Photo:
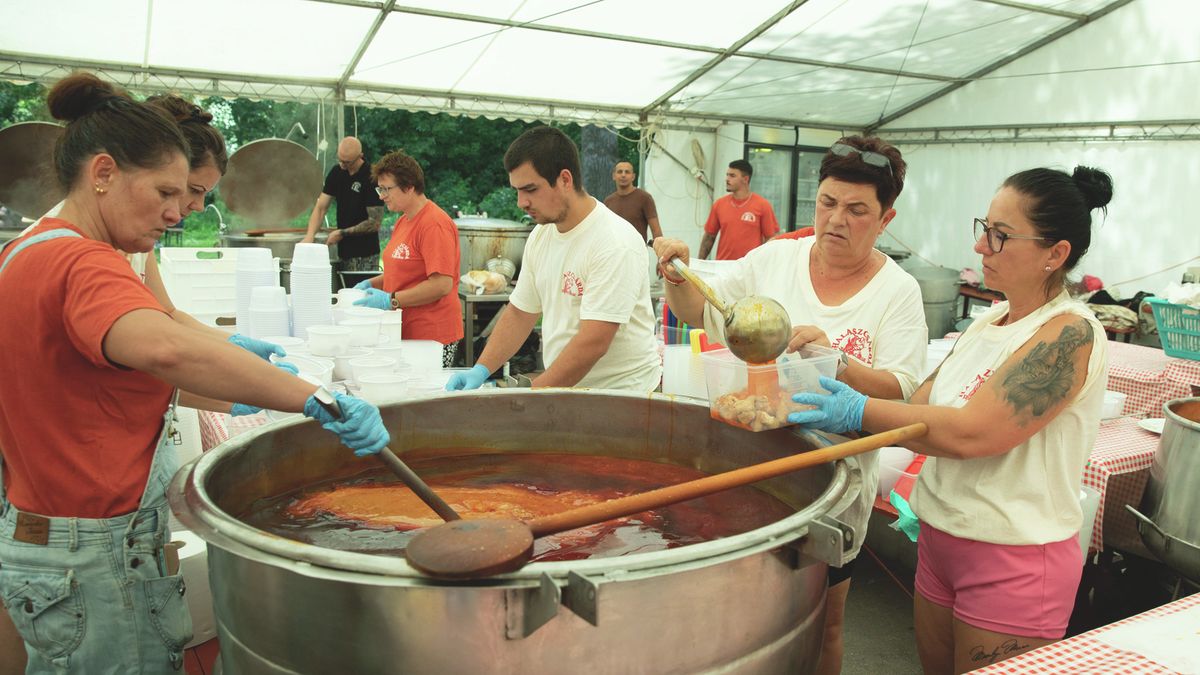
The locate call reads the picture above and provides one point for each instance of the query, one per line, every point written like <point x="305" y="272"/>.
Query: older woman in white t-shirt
<point x="841" y="292"/>
<point x="1012" y="414"/>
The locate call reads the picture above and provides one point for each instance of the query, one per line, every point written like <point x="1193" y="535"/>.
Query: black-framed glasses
<point x="382" y="191"/>
<point x="996" y="238"/>
<point x="868" y="157"/>
<point x="348" y="162"/>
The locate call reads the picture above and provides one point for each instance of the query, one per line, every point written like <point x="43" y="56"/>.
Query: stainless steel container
<point x="751" y="603"/>
<point x="1169" y="515"/>
<point x="481" y="239"/>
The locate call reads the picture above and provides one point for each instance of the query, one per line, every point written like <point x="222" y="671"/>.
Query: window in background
<point x="773" y="179"/>
<point x="808" y="169"/>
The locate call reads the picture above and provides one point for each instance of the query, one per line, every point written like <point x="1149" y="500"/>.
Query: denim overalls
<point x="96" y="596"/>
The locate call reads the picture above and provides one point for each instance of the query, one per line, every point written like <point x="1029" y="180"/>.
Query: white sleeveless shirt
<point x="1030" y="494"/>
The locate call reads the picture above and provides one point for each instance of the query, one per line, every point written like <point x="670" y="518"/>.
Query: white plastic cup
<point x="356" y="312"/>
<point x="346" y="297"/>
<point x="253" y="258"/>
<point x="329" y="340"/>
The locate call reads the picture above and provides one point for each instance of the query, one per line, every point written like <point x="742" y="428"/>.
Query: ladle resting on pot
<point x="757" y="329"/>
<point x="471" y="549"/>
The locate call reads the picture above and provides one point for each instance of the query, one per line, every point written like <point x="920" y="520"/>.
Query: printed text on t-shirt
<point x="572" y="284"/>
<point x="856" y="342"/>
<point x="974" y="385"/>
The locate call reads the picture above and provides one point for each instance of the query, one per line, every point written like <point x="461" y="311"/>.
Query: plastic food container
<point x="363" y="332"/>
<point x="328" y="340"/>
<point x="1114" y="405"/>
<point x="759" y="397"/>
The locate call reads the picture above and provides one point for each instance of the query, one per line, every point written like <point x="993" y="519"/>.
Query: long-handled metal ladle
<point x="471" y="549"/>
<point x="757" y="329"/>
<point x="398" y="467"/>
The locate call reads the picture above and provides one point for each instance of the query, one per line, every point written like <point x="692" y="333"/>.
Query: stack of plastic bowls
<point x="255" y="267"/>
<point x="363" y="332"/>
<point x="288" y="342"/>
<point x="392" y="350"/>
<point x="389" y="326"/>
<point x="312" y="286"/>
<point x="314" y="366"/>
<point x="345" y="299"/>
<point x="342" y="370"/>
<point x="383" y="387"/>
<point x="268" y="311"/>
<point x="371" y="365"/>
<point x="423" y="356"/>
<point x="328" y="341"/>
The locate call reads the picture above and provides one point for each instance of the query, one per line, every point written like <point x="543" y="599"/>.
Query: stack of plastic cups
<point x="255" y="267"/>
<point x="268" y="311"/>
<point x="312" y="287"/>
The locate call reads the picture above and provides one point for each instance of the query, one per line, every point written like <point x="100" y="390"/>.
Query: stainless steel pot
<point x="481" y="239"/>
<point x="1169" y="515"/>
<point x="752" y="603"/>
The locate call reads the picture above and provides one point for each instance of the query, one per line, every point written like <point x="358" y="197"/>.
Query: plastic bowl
<point x="342" y="370"/>
<point x="363" y="332"/>
<point x="759" y="397"/>
<point x="312" y="366"/>
<point x="329" y="340"/>
<point x="372" y="365"/>
<point x="383" y="387"/>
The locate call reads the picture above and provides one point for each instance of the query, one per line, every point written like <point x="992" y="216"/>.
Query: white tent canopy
<point x="812" y="63"/>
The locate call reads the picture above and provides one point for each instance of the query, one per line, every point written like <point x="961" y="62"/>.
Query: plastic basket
<point x="1178" y="327"/>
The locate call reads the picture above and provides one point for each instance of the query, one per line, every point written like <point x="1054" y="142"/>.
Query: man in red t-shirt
<point x="744" y="219"/>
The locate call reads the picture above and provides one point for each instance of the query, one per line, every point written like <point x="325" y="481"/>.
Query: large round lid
<point x="27" y="182"/>
<point x="481" y="223"/>
<point x="270" y="181"/>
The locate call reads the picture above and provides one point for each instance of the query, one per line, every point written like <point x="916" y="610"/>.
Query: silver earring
<point x="1047" y="268"/>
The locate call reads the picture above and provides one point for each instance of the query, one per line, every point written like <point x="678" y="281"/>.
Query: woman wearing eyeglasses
<point x="1012" y="414"/>
<point x="420" y="262"/>
<point x="839" y="291"/>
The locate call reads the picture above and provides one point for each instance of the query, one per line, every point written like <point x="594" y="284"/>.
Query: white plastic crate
<point x="200" y="280"/>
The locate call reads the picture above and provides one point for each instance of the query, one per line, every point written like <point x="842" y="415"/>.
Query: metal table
<point x="471" y="305"/>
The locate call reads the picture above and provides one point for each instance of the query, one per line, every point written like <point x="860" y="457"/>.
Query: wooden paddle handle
<point x="654" y="499"/>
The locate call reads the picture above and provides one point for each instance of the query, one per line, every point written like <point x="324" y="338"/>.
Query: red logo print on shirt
<point x="402" y="252"/>
<point x="749" y="217"/>
<point x="974" y="385"/>
<point x="856" y="342"/>
<point x="572" y="284"/>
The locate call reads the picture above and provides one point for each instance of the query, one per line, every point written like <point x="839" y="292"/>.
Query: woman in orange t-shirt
<point x="420" y="262"/>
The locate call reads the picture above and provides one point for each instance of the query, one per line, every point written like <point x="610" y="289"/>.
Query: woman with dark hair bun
<point x="92" y="369"/>
<point x="1012" y="414"/>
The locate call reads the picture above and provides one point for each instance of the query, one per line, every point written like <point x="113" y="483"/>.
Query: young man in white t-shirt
<point x="580" y="274"/>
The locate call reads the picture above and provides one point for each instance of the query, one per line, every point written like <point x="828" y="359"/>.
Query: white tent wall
<point x="1150" y="223"/>
<point x="682" y="200"/>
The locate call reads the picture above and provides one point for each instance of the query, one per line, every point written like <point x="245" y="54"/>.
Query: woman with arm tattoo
<point x="1012" y="414"/>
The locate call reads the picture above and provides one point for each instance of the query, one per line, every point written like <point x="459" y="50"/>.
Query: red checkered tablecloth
<point x="216" y="428"/>
<point x="1149" y="378"/>
<point x="1117" y="468"/>
<point x="1086" y="655"/>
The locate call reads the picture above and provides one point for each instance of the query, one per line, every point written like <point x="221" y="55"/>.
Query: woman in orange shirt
<point x="420" y="261"/>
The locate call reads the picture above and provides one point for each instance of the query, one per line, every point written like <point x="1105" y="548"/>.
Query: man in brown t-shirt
<point x="632" y="203"/>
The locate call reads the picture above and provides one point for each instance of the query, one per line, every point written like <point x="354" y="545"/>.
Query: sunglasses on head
<point x="868" y="157"/>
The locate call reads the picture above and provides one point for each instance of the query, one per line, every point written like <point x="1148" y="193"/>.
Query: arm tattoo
<point x="371" y="224"/>
<point x="1043" y="378"/>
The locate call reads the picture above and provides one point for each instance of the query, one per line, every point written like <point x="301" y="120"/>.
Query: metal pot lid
<point x="481" y="223"/>
<point x="27" y="181"/>
<point x="270" y="181"/>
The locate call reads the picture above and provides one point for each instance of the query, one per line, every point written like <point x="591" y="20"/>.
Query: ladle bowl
<point x="757" y="329"/>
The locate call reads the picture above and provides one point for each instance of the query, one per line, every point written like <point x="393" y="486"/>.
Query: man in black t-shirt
<point x="359" y="210"/>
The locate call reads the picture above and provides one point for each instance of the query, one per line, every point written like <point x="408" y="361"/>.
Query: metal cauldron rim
<point x="197" y="511"/>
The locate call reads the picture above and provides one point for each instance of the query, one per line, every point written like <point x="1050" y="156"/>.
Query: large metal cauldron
<point x="481" y="239"/>
<point x="751" y="603"/>
<point x="1169" y="519"/>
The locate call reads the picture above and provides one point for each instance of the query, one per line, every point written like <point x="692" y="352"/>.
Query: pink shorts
<point x="1015" y="590"/>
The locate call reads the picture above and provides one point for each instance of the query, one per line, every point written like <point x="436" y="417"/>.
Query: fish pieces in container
<point x="758" y="397"/>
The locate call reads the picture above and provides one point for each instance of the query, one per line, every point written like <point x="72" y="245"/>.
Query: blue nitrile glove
<point x="259" y="348"/>
<point x="376" y="299"/>
<point x="240" y="409"/>
<point x="360" y="429"/>
<point x="472" y="379"/>
<point x="364" y="285"/>
<point x="907" y="523"/>
<point x="837" y="412"/>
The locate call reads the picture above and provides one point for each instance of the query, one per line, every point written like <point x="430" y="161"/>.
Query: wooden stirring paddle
<point x="472" y="549"/>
